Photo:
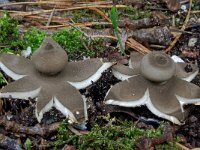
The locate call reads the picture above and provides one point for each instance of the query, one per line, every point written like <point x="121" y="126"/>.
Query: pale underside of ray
<point x="191" y="76"/>
<point x="83" y="84"/>
<point x="184" y="101"/>
<point x="21" y="95"/>
<point x="175" y="58"/>
<point x="54" y="102"/>
<point x="121" y="76"/>
<point x="145" y="100"/>
<point x="10" y="73"/>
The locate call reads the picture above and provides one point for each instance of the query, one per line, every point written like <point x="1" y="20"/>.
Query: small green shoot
<point x="28" y="144"/>
<point x="114" y="19"/>
<point x="2" y="79"/>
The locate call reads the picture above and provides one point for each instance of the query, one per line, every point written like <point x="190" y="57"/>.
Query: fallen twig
<point x="145" y="143"/>
<point x="36" y="130"/>
<point x="182" y="146"/>
<point x="101" y="13"/>
<point x="63" y="3"/>
<point x="50" y="17"/>
<point x="17" y="13"/>
<point x="86" y="24"/>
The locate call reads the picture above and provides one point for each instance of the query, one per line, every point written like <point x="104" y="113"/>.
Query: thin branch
<point x="182" y="146"/>
<point x="50" y="17"/>
<point x="19" y="13"/>
<point x="36" y="130"/>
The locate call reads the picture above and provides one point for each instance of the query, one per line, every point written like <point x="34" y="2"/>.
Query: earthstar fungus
<point x="51" y="79"/>
<point x="157" y="87"/>
<point x="122" y="72"/>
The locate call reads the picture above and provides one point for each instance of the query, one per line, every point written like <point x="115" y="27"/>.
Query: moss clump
<point x="76" y="44"/>
<point x="9" y="33"/>
<point x="112" y="136"/>
<point x="33" y="38"/>
<point x="73" y="41"/>
<point x="63" y="134"/>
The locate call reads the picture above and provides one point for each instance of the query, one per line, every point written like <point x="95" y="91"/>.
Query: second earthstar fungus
<point x="51" y="79"/>
<point x="156" y="87"/>
<point x="183" y="70"/>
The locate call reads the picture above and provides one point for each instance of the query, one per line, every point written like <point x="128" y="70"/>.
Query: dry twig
<point x="36" y="130"/>
<point x="182" y="146"/>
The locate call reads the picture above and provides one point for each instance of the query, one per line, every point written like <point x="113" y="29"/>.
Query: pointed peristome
<point x="50" y="58"/>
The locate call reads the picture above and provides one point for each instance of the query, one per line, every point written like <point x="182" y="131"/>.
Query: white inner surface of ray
<point x="184" y="101"/>
<point x="21" y="95"/>
<point x="177" y="59"/>
<point x="124" y="103"/>
<point x="145" y="100"/>
<point x="48" y="106"/>
<point x="64" y="110"/>
<point x="191" y="77"/>
<point x="56" y="103"/>
<point x="130" y="64"/>
<point x="10" y="73"/>
<point x="83" y="84"/>
<point x="85" y="107"/>
<point x="160" y="114"/>
<point x="120" y="76"/>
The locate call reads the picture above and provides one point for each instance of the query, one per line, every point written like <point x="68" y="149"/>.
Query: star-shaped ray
<point x="51" y="79"/>
<point x="122" y="72"/>
<point x="165" y="96"/>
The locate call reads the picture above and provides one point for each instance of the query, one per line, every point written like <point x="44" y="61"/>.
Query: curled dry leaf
<point x="173" y="5"/>
<point x="155" y="35"/>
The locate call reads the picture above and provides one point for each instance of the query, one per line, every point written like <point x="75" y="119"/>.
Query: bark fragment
<point x="8" y="143"/>
<point x="145" y="143"/>
<point x="36" y="130"/>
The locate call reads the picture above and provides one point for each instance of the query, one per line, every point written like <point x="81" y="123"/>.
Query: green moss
<point x="76" y="44"/>
<point x="62" y="135"/>
<point x="114" y="135"/>
<point x="72" y="40"/>
<point x="33" y="38"/>
<point x="9" y="31"/>
<point x="2" y="79"/>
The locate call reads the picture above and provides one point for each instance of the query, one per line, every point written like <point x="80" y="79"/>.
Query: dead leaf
<point x="173" y="5"/>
